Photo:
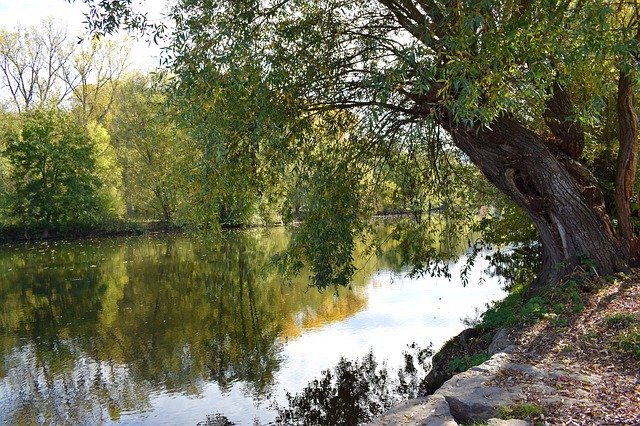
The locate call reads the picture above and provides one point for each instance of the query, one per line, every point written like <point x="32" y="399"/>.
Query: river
<point x="169" y="329"/>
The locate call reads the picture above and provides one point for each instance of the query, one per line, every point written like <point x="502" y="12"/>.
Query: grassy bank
<point x="588" y="325"/>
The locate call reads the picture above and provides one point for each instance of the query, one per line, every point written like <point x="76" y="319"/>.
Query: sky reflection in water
<point x="161" y="330"/>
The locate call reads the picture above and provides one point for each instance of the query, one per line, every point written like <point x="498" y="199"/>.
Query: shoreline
<point x="17" y="235"/>
<point x="568" y="369"/>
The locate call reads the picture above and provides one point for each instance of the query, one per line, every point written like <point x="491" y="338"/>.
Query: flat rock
<point x="511" y="422"/>
<point x="501" y="343"/>
<point x="429" y="411"/>
<point x="471" y="399"/>
<point x="470" y="396"/>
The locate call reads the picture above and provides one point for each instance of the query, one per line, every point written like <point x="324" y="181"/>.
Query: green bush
<point x="460" y="364"/>
<point x="629" y="344"/>
<point x="504" y="313"/>
<point x="56" y="173"/>
<point x="559" y="302"/>
<point x="620" y="320"/>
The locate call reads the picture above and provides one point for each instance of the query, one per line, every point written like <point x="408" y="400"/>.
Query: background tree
<point x="109" y="170"/>
<point x="98" y="67"/>
<point x="53" y="166"/>
<point x="152" y="150"/>
<point x="6" y="184"/>
<point x="44" y="66"/>
<point x="46" y="71"/>
<point x="32" y="61"/>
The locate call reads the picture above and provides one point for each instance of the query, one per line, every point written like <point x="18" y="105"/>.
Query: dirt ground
<point x="601" y="344"/>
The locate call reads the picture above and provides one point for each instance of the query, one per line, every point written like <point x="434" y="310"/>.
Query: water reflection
<point x="90" y="330"/>
<point x="160" y="329"/>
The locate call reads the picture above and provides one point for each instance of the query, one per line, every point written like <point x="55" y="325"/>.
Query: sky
<point x="26" y="13"/>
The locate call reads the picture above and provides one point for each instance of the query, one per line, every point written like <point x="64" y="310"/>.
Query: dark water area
<point x="169" y="329"/>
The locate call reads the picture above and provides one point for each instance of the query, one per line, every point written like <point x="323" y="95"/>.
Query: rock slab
<point x="432" y="410"/>
<point x="501" y="343"/>
<point x="498" y="422"/>
<point x="471" y="399"/>
<point x="465" y="397"/>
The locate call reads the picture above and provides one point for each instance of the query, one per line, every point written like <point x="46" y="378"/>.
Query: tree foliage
<point x="32" y="63"/>
<point x="143" y="161"/>
<point x="151" y="149"/>
<point x="44" y="67"/>
<point x="54" y="166"/>
<point x="524" y="89"/>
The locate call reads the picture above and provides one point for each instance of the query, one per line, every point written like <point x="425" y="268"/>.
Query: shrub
<point x="629" y="344"/>
<point x="459" y="364"/>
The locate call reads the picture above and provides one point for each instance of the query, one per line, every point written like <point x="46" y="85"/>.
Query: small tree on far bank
<point x="54" y="169"/>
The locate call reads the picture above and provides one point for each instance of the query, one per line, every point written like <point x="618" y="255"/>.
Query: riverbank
<point x="10" y="235"/>
<point x="114" y="229"/>
<point x="577" y="363"/>
<point x="19" y="234"/>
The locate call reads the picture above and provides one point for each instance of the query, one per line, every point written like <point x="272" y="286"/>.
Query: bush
<point x="559" y="303"/>
<point x="54" y="168"/>
<point x="629" y="344"/>
<point x="459" y="364"/>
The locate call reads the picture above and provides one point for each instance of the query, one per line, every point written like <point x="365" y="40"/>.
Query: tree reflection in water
<point x="91" y="330"/>
<point x="95" y="331"/>
<point x="354" y="392"/>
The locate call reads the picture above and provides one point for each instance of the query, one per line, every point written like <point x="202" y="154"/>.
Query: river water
<point x="169" y="329"/>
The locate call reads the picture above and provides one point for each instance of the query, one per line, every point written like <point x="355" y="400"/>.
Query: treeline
<point x="86" y="144"/>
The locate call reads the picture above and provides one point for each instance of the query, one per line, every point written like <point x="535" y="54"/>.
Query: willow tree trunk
<point x="626" y="163"/>
<point x="558" y="194"/>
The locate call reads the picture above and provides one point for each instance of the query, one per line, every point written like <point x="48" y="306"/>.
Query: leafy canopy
<point x="267" y="82"/>
<point x="56" y="172"/>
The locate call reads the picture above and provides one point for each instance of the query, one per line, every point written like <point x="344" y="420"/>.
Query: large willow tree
<point x="518" y="86"/>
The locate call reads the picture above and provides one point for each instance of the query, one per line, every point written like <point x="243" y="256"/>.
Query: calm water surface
<point x="168" y="329"/>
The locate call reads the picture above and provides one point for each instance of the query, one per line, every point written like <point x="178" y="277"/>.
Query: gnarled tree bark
<point x="626" y="164"/>
<point x="557" y="193"/>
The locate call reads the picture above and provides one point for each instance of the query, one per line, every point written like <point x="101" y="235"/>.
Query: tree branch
<point x="559" y="117"/>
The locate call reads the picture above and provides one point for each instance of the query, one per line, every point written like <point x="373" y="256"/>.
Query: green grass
<point x="460" y="364"/>
<point x="558" y="304"/>
<point x="590" y="336"/>
<point x="620" y="320"/>
<point x="629" y="343"/>
<point x="525" y="410"/>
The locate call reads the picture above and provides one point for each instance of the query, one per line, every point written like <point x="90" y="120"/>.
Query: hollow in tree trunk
<point x="557" y="193"/>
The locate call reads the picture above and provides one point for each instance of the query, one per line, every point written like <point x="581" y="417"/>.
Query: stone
<point x="527" y="369"/>
<point x="471" y="399"/>
<point x="436" y="377"/>
<point x="470" y="396"/>
<point x="439" y="372"/>
<point x="428" y="411"/>
<point x="510" y="422"/>
<point x="456" y="346"/>
<point x="474" y="401"/>
<point x="501" y="343"/>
